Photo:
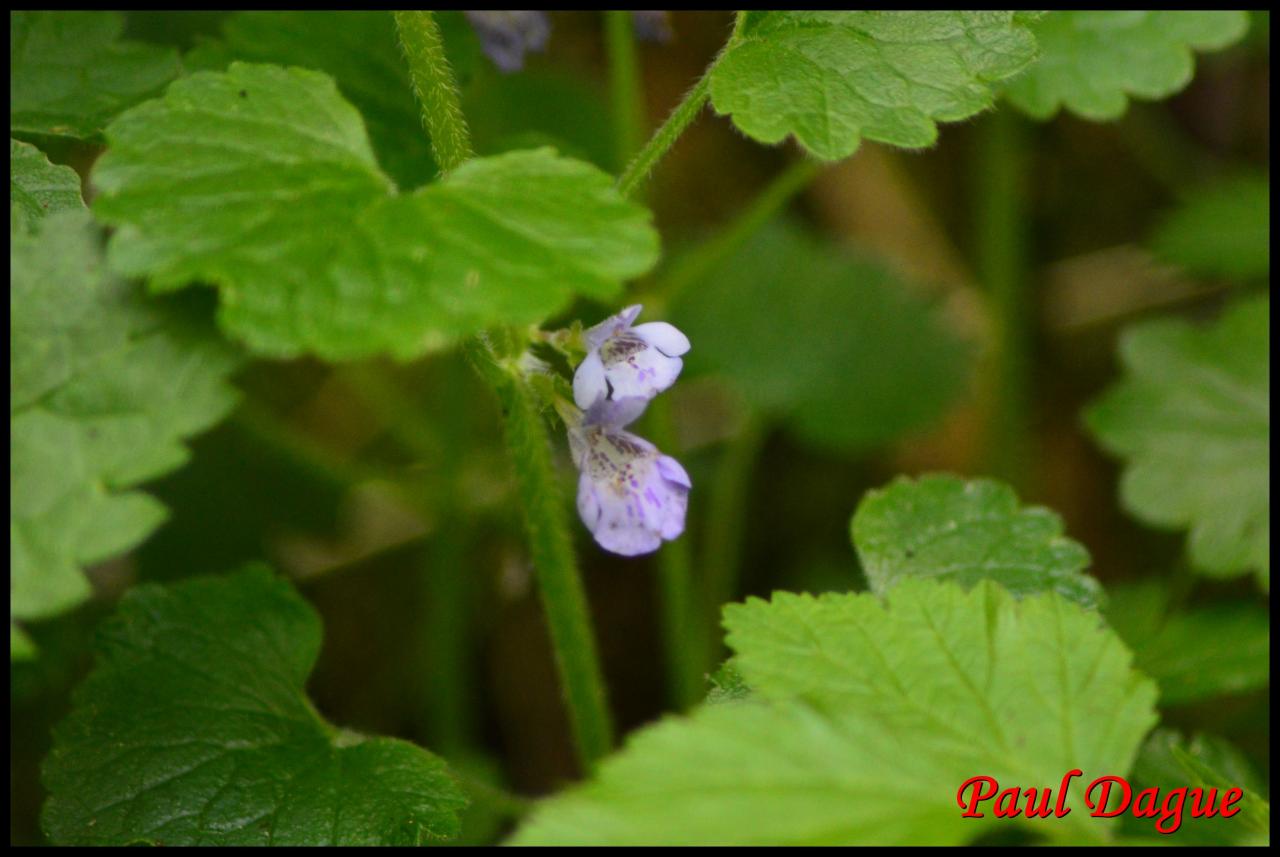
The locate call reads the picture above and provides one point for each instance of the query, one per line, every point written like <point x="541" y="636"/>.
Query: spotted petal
<point x="597" y="334"/>
<point x="630" y="496"/>
<point x="627" y="361"/>
<point x="644" y="373"/>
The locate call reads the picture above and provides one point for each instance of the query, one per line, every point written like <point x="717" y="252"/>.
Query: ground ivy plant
<point x="306" y="186"/>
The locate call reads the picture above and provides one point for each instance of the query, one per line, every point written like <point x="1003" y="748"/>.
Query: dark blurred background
<point x="383" y="490"/>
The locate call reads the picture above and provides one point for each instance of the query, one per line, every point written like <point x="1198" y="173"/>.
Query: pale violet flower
<point x="652" y="26"/>
<point x="624" y="361"/>
<point x="630" y="495"/>
<point x="505" y="35"/>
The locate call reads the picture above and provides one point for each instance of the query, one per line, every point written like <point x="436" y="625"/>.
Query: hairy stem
<point x="1001" y="257"/>
<point x="545" y="518"/>
<point x="559" y="583"/>
<point x="680" y="119"/>
<point x="665" y="137"/>
<point x="435" y="87"/>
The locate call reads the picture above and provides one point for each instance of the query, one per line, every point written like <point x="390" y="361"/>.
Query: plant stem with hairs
<point x="537" y="483"/>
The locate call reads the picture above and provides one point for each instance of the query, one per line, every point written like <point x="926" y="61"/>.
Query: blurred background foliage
<point x="841" y="336"/>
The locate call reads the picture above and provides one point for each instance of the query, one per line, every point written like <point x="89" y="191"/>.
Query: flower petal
<point x="597" y="334"/>
<point x="616" y="413"/>
<point x="506" y="35"/>
<point x="665" y="337"/>
<point x="620" y="526"/>
<point x="673" y="471"/>
<point x="588" y="503"/>
<point x="645" y="373"/>
<point x="652" y="26"/>
<point x="673" y="521"/>
<point x="589" y="382"/>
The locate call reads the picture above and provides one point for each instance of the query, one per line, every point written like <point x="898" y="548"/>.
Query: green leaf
<point x="69" y="74"/>
<point x="360" y="50"/>
<point x="833" y="78"/>
<point x="37" y="187"/>
<point x="1201" y="653"/>
<point x="1192" y="418"/>
<point x="867" y="716"/>
<point x="836" y="345"/>
<point x="1167" y="761"/>
<point x="941" y="526"/>
<point x="103" y="388"/>
<point x="1223" y="230"/>
<point x="283" y="207"/>
<point x="193" y="729"/>
<point x="1091" y="61"/>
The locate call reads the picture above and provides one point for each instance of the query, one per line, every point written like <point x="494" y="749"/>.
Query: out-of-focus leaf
<point x="535" y="108"/>
<point x="193" y="729"/>
<point x="37" y="187"/>
<point x="1168" y="762"/>
<point x="1091" y="62"/>
<point x="1208" y="652"/>
<point x="1192" y="418"/>
<point x="103" y="388"/>
<point x="1197" y="654"/>
<point x="836" y="345"/>
<point x="179" y="28"/>
<point x="69" y="73"/>
<point x="832" y="78"/>
<point x="943" y="527"/>
<point x="1223" y="230"/>
<point x="862" y="708"/>
<point x="282" y="205"/>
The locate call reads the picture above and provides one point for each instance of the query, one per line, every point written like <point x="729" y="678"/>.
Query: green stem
<point x="545" y="518"/>
<point x="624" y="82"/>
<point x="665" y="137"/>
<point x="680" y="119"/>
<point x="401" y="417"/>
<point x="681" y="627"/>
<point x="550" y="547"/>
<point x="314" y="459"/>
<point x="684" y="634"/>
<point x="447" y="708"/>
<point x="435" y="87"/>
<point x="726" y="517"/>
<point x="449" y="586"/>
<point x="695" y="265"/>
<point x="1001" y="256"/>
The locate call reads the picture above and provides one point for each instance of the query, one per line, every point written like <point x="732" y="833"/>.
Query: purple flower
<point x="630" y="495"/>
<point x="625" y="361"/>
<point x="505" y="36"/>
<point x="652" y="26"/>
